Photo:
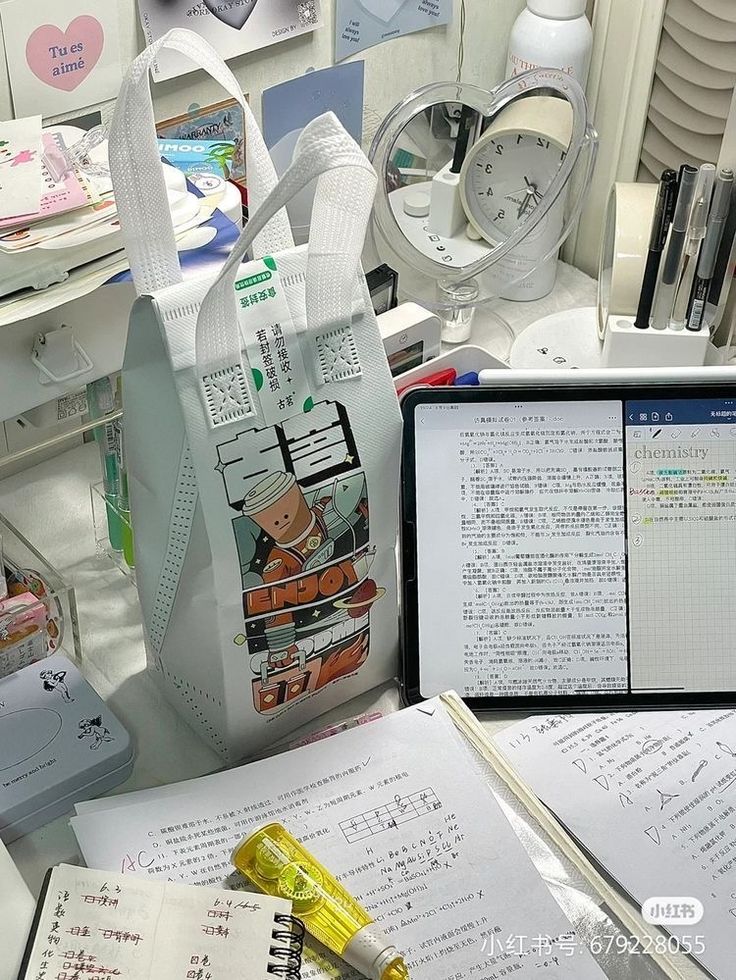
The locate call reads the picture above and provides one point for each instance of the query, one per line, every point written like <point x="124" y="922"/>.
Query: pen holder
<point x="625" y="345"/>
<point x="113" y="530"/>
<point x="38" y="617"/>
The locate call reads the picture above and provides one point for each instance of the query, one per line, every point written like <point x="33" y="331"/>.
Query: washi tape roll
<point x="624" y="250"/>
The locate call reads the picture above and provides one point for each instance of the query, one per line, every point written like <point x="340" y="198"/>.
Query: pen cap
<point x="716" y="223"/>
<point x="101" y="396"/>
<point x="685" y="197"/>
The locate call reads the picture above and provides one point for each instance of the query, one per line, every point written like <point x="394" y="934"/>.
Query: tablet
<point x="569" y="540"/>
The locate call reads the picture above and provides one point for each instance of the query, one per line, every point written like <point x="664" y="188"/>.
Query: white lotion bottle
<point x="549" y="34"/>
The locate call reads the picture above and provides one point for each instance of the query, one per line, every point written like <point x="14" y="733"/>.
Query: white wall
<point x="392" y="69"/>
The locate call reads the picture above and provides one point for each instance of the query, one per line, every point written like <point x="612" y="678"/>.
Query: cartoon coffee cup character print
<point x="303" y="540"/>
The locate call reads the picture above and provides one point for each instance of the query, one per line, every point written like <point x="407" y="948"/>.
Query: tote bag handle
<point x="138" y="180"/>
<point x="346" y="186"/>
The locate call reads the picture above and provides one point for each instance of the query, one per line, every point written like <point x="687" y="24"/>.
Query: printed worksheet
<point x="652" y="795"/>
<point x="525" y="504"/>
<point x="398" y="811"/>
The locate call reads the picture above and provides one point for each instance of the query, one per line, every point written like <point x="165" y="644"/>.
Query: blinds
<point x="694" y="81"/>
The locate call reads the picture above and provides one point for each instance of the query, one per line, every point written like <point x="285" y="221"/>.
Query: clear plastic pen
<point x="697" y="228"/>
<point x="671" y="268"/>
<point x="717" y="221"/>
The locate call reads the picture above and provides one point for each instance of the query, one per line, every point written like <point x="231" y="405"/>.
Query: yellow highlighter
<point x="279" y="865"/>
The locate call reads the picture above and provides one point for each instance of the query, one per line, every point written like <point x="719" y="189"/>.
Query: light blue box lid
<point x="59" y="744"/>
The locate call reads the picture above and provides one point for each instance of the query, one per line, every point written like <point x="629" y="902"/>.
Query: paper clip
<point x="60" y="158"/>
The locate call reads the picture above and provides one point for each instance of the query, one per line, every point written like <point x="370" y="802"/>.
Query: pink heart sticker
<point x="63" y="59"/>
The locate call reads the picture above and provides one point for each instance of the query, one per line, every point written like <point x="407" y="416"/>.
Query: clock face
<point x="505" y="177"/>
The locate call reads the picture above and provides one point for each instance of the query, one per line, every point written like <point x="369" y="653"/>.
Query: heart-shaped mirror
<point x="233" y="13"/>
<point x="478" y="189"/>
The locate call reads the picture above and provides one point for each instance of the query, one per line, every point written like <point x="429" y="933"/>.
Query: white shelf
<point x="100" y="324"/>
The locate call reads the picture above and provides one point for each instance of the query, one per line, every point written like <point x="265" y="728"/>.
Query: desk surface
<point x="50" y="505"/>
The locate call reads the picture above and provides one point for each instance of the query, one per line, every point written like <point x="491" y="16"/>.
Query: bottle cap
<point x="558" y="9"/>
<point x="417" y="204"/>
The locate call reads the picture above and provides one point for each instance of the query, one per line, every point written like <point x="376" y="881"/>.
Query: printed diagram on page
<point x="302" y="532"/>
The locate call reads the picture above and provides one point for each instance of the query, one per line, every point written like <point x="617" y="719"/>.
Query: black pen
<point x="663" y="213"/>
<point x="466" y="130"/>
<point x="711" y="245"/>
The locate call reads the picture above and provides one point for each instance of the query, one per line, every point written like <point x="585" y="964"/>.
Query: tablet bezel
<point x="640" y="386"/>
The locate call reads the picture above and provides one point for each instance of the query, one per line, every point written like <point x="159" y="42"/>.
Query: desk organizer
<point x="106" y="515"/>
<point x="40" y="616"/>
<point x="624" y="345"/>
<point x="59" y="744"/>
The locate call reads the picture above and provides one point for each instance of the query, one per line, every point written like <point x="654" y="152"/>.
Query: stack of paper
<point x="403" y="811"/>
<point x="652" y="795"/>
<point x="64" y="205"/>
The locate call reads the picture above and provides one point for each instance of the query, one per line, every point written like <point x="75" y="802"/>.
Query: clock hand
<point x="534" y="189"/>
<point x="521" y="190"/>
<point x="530" y="196"/>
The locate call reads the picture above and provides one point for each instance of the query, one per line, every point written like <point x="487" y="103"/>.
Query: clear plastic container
<point x="107" y="516"/>
<point x="38" y="617"/>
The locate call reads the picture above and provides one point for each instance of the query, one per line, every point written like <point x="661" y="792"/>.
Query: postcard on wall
<point x="359" y="24"/>
<point x="233" y="27"/>
<point x="289" y="106"/>
<point x="221" y="123"/>
<point x="61" y="56"/>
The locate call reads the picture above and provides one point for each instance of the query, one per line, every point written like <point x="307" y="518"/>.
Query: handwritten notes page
<point x="98" y="924"/>
<point x="653" y="796"/>
<point x="398" y="811"/>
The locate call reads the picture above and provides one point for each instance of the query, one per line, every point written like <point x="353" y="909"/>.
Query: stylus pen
<point x="663" y="214"/>
<point x="671" y="267"/>
<point x="696" y="230"/>
<point x="709" y="253"/>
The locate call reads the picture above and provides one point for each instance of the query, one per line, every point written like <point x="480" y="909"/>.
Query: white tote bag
<point x="262" y="432"/>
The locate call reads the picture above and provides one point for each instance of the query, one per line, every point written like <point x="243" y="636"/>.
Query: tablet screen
<point x="576" y="547"/>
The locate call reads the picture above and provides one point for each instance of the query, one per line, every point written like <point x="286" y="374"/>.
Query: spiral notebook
<point x="97" y="923"/>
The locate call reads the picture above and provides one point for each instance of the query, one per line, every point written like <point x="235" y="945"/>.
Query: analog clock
<point x="508" y="171"/>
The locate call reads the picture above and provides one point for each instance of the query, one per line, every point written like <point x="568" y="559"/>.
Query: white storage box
<point x="59" y="744"/>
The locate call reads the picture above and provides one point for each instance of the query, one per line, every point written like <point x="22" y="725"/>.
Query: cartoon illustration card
<point x="61" y="57"/>
<point x="233" y="27"/>
<point x="222" y="122"/>
<point x="21" y="184"/>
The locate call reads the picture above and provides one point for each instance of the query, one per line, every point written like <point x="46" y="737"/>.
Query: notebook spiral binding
<point x="288" y="943"/>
